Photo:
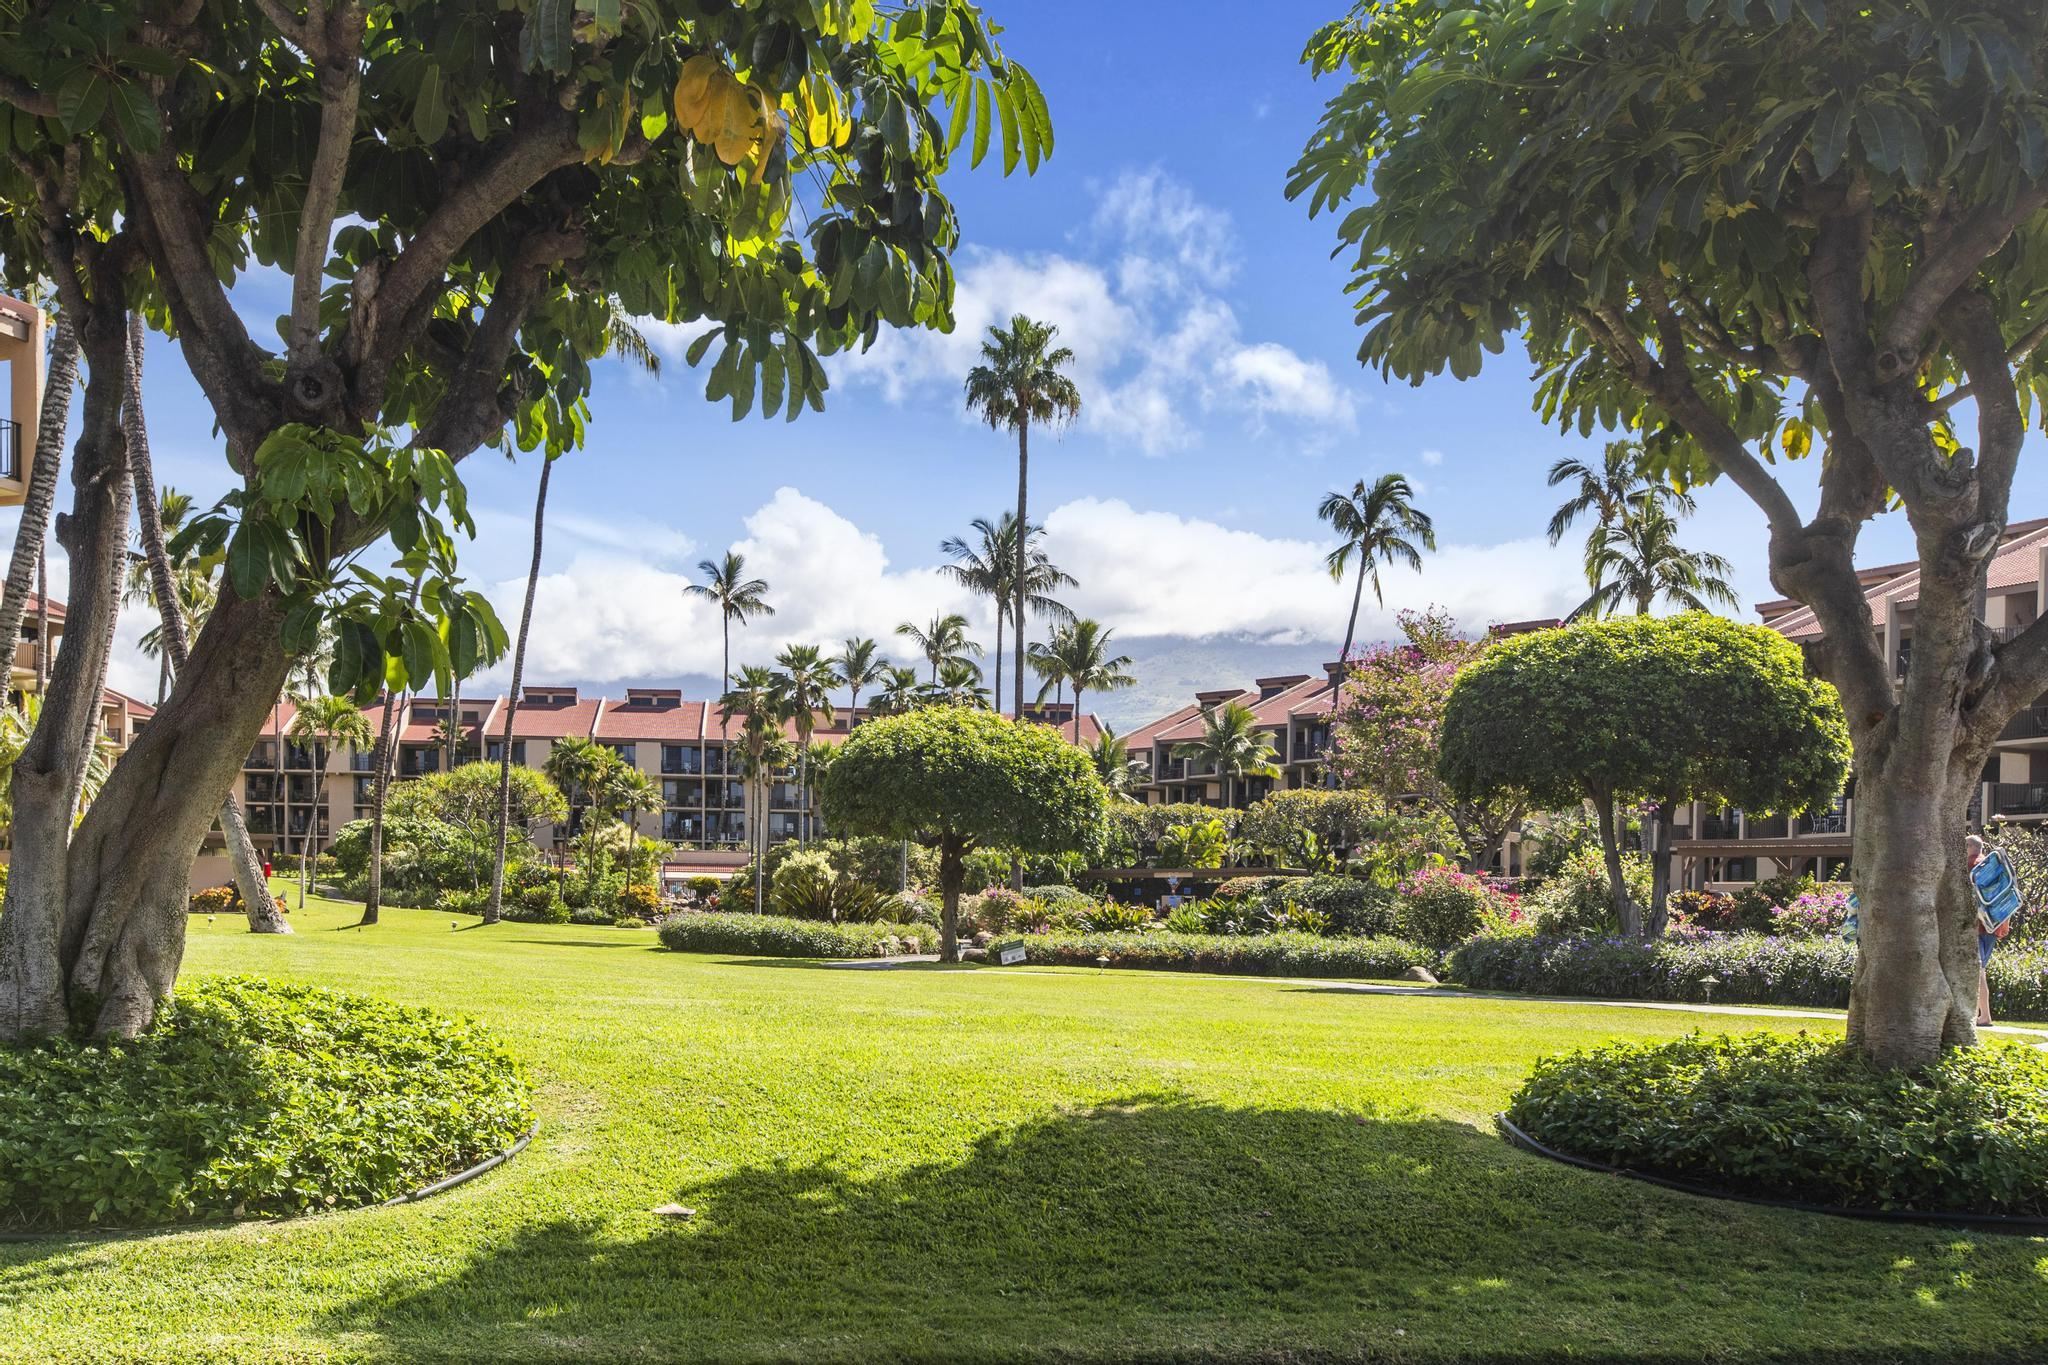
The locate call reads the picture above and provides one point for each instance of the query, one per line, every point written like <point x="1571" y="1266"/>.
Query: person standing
<point x="1996" y="894"/>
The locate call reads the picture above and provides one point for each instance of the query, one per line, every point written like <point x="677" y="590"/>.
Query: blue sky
<point x="1222" y="397"/>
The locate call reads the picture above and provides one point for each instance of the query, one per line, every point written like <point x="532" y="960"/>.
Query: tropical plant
<point x="326" y="724"/>
<point x="987" y="569"/>
<point x="1233" y="747"/>
<point x="1638" y="560"/>
<point x="17" y="722"/>
<point x="901" y="691"/>
<point x="1616" y="487"/>
<point x="737" y="597"/>
<point x="1198" y="844"/>
<point x="754" y="700"/>
<point x="803" y="688"/>
<point x="1078" y="655"/>
<point x="1120" y="773"/>
<point x="955" y="777"/>
<point x="942" y="641"/>
<point x="959" y="684"/>
<point x="1377" y="526"/>
<point x="1019" y="384"/>
<point x="858" y="665"/>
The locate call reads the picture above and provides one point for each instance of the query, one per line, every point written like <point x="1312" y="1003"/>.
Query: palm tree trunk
<point x="725" y="628"/>
<point x="312" y="834"/>
<point x="48" y="460"/>
<point x="1077" y="714"/>
<point x="1343" y="664"/>
<point x="257" y="903"/>
<point x="373" y="897"/>
<point x="1023" y="550"/>
<point x="1002" y="611"/>
<point x="495" y="909"/>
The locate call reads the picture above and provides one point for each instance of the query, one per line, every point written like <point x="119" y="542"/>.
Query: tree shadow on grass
<point x="1159" y="1228"/>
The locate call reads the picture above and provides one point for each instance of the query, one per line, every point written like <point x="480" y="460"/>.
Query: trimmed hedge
<point x="1752" y="969"/>
<point x="1807" y="1119"/>
<point x="1282" y="954"/>
<point x="250" y="1099"/>
<point x="775" y="936"/>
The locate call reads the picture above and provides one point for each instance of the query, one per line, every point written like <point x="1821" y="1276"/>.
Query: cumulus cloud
<point x="1156" y="344"/>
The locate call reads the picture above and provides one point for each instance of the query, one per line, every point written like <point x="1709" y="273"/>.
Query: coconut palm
<point x="945" y="638"/>
<point x="858" y="666"/>
<point x="1078" y="656"/>
<point x="959" y="684"/>
<point x="585" y="771"/>
<point x="753" y="699"/>
<point x="1639" y="560"/>
<point x="1379" y="526"/>
<point x="1111" y="756"/>
<point x="1018" y="384"/>
<point x="494" y="908"/>
<point x="737" y="597"/>
<point x="899" y="692"/>
<point x="986" y="566"/>
<point x="1614" y="488"/>
<point x="804" y="683"/>
<point x="331" y="723"/>
<point x="1233" y="747"/>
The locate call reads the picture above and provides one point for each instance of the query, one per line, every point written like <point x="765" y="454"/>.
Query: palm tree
<point x="945" y="638"/>
<point x="1616" y="487"/>
<point x="1376" y="524"/>
<point x="859" y="665"/>
<point x="494" y="908"/>
<point x="581" y="767"/>
<point x="18" y="721"/>
<point x="1078" y="655"/>
<point x="1233" y="747"/>
<point x="804" y="689"/>
<point x="737" y="596"/>
<point x="333" y="722"/>
<point x="899" y="692"/>
<point x="958" y="684"/>
<point x="1111" y="756"/>
<point x="987" y="568"/>
<point x="753" y="698"/>
<point x="1638" y="560"/>
<point x="1017" y="384"/>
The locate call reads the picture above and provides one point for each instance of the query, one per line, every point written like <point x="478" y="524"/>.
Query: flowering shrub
<point x="1441" y="906"/>
<point x="1812" y="914"/>
<point x="1576" y="900"/>
<point x="775" y="936"/>
<point x="216" y="900"/>
<point x="1284" y="954"/>
<point x="1000" y="910"/>
<point x="1706" y="910"/>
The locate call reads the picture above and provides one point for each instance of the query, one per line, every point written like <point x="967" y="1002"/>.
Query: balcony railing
<point x="2031" y="723"/>
<point x="1720" y="827"/>
<point x="2019" y="798"/>
<point x="1767" y="827"/>
<point x="682" y="762"/>
<point x="10" y="449"/>
<point x="1824" y="822"/>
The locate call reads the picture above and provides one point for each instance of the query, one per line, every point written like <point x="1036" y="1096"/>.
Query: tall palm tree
<point x="1233" y="747"/>
<point x="494" y="908"/>
<point x="986" y="567"/>
<point x="1019" y="383"/>
<point x="334" y="722"/>
<point x="859" y="665"/>
<point x="1079" y="656"/>
<point x="1379" y="526"/>
<point x="1617" y="486"/>
<point x="958" y="684"/>
<point x="803" y="686"/>
<point x="1639" y="560"/>
<point x="753" y="699"/>
<point x="581" y="767"/>
<point x="899" y="692"/>
<point x="26" y="568"/>
<point x="1111" y="756"/>
<point x="945" y="638"/>
<point x="737" y="597"/>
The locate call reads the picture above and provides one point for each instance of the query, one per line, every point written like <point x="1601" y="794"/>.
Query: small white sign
<point x="1009" y="954"/>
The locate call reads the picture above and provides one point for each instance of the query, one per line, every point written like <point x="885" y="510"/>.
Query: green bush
<point x="807" y="887"/>
<point x="639" y="901"/>
<point x="704" y="890"/>
<point x="1443" y="907"/>
<point x="1354" y="907"/>
<point x="1238" y="888"/>
<point x="1060" y="897"/>
<point x="463" y="901"/>
<point x="591" y="915"/>
<point x="538" y="905"/>
<point x="1110" y="917"/>
<point x="775" y="936"/>
<point x="251" y="1099"/>
<point x="1805" y="1118"/>
<point x="1752" y="969"/>
<point x="629" y="922"/>
<point x="214" y="900"/>
<point x="1752" y="906"/>
<point x="1286" y="954"/>
<point x="982" y="867"/>
<point x="1576" y="900"/>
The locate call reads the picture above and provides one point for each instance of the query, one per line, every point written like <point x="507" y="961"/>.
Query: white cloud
<point x="1158" y="351"/>
<point x="671" y="340"/>
<point x="1432" y="458"/>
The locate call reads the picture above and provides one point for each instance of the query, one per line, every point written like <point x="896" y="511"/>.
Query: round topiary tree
<point x="1675" y="709"/>
<point x="954" y="777"/>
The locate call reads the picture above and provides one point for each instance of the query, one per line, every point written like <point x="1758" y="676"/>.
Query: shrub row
<point x="1282" y="954"/>
<point x="1806" y="1119"/>
<point x="774" y="936"/>
<point x="1750" y="969"/>
<point x="251" y="1099"/>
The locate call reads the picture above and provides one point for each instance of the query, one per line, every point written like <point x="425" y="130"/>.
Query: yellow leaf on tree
<point x="693" y="88"/>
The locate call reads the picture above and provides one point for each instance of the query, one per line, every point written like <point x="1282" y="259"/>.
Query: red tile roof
<point x="540" y="720"/>
<point x="672" y="723"/>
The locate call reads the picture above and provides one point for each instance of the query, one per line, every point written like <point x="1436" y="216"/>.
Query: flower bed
<point x="1750" y="969"/>
<point x="775" y="936"/>
<point x="250" y="1099"/>
<point x="1282" y="954"/>
<point x="1805" y="1119"/>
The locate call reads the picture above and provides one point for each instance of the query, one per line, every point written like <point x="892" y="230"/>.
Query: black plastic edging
<point x="210" y="1224"/>
<point x="2017" y="1225"/>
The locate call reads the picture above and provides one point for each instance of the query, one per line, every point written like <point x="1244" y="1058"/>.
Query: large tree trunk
<point x="1626" y="916"/>
<point x="495" y="909"/>
<point x="263" y="913"/>
<point x="952" y="871"/>
<point x="1023" y="558"/>
<point x="47" y="463"/>
<point x="1658" y="825"/>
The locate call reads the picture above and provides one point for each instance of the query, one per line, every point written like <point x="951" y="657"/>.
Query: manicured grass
<point x="945" y="1164"/>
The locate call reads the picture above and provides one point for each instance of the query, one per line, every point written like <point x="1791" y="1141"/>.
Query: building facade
<point x="1293" y="712"/>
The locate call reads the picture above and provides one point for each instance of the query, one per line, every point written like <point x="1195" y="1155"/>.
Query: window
<point x="625" y="753"/>
<point x="682" y="758"/>
<point x="496" y="751"/>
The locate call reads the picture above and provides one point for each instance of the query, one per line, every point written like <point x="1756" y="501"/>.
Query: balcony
<point x="1824" y="822"/>
<point x="2019" y="798"/>
<point x="261" y="789"/>
<point x="678" y="761"/>
<point x="10" y="449"/>
<point x="1905" y="659"/>
<point x="2031" y="723"/>
<point x="305" y="757"/>
<point x="1767" y="827"/>
<point x="263" y="756"/>
<point x="419" y="762"/>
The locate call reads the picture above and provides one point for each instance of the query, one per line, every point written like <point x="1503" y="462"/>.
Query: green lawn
<point x="942" y="1164"/>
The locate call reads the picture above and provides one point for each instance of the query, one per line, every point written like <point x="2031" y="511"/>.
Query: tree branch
<point x="2029" y="342"/>
<point x="316" y="381"/>
<point x="26" y="97"/>
<point x="302" y="34"/>
<point x="1949" y="266"/>
<point x="403" y="293"/>
<point x="1971" y="324"/>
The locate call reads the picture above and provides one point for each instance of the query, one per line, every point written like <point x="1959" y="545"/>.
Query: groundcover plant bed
<point x="1281" y="954"/>
<point x="1805" y="1118"/>
<point x="248" y="1099"/>
<point x="777" y="936"/>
